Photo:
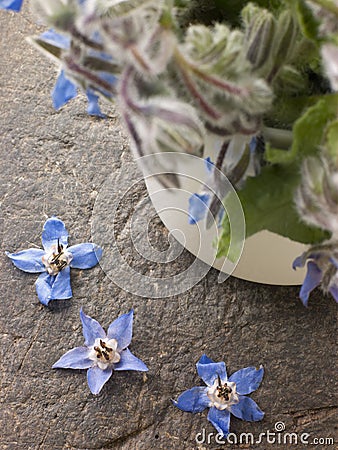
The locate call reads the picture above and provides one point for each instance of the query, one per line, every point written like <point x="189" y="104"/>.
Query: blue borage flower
<point x="222" y="395"/>
<point x="102" y="352"/>
<point x="64" y="89"/>
<point x="55" y="261"/>
<point x="13" y="5"/>
<point x="322" y="269"/>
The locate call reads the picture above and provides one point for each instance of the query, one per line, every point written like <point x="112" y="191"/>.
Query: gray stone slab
<point x="56" y="163"/>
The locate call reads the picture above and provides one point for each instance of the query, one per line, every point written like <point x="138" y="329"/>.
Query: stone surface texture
<point x="55" y="163"/>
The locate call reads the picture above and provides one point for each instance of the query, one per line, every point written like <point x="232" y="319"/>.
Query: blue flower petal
<point x="53" y="230"/>
<point x="312" y="280"/>
<point x="93" y="104"/>
<point x="247" y="409"/>
<point x="209" y="371"/>
<point x="64" y="90"/>
<point x="247" y="380"/>
<point x="28" y="260"/>
<point x="57" y="39"/>
<point x="14" y="5"/>
<point x="85" y="255"/>
<point x="209" y="165"/>
<point x="193" y="400"/>
<point x="61" y="288"/>
<point x="77" y="358"/>
<point x="91" y="329"/>
<point x="97" y="377"/>
<point x="43" y="287"/>
<point x="299" y="261"/>
<point x="129" y="362"/>
<point x="334" y="292"/>
<point x="198" y="207"/>
<point x="220" y="420"/>
<point x="121" y="330"/>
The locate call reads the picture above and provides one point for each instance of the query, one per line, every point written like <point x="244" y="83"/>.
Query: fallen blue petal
<point x="193" y="400"/>
<point x="209" y="371"/>
<point x="91" y="329"/>
<point x="61" y="288"/>
<point x="313" y="279"/>
<point x="129" y="362"/>
<point x="247" y="409"/>
<point x="220" y="420"/>
<point x="77" y="358"/>
<point x="64" y="90"/>
<point x="97" y="378"/>
<point x="13" y="5"/>
<point x="53" y="230"/>
<point x="29" y="260"/>
<point x="247" y="380"/>
<point x="43" y="287"/>
<point x="121" y="330"/>
<point x="85" y="256"/>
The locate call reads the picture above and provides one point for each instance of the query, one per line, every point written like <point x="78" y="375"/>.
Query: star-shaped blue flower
<point x="13" y="5"/>
<point x="322" y="268"/>
<point x="222" y="395"/>
<point x="55" y="261"/>
<point x="102" y="352"/>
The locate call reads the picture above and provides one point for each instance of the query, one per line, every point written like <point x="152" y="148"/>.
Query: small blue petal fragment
<point x="97" y="378"/>
<point x="85" y="256"/>
<point x="61" y="288"/>
<point x="64" y="90"/>
<point x="209" y="165"/>
<point x="76" y="358"/>
<point x="91" y="329"/>
<point x="28" y="260"/>
<point x="57" y="39"/>
<point x="129" y="362"/>
<point x="209" y="371"/>
<point x="121" y="330"/>
<point x="43" y="287"/>
<point x="299" y="261"/>
<point x="312" y="280"/>
<point x="247" y="380"/>
<point x="93" y="104"/>
<point x="198" y="207"/>
<point x="193" y="400"/>
<point x="247" y="409"/>
<point x="13" y="5"/>
<point x="220" y="420"/>
<point x="53" y="230"/>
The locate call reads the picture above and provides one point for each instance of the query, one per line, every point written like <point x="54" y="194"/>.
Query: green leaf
<point x="308" y="22"/>
<point x="332" y="141"/>
<point x="308" y="132"/>
<point x="267" y="201"/>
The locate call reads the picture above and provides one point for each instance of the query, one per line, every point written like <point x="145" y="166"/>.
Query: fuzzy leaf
<point x="332" y="141"/>
<point x="308" y="132"/>
<point x="268" y="204"/>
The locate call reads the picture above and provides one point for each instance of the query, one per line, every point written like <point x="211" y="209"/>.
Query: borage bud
<point x="283" y="42"/>
<point x="259" y="35"/>
<point x="174" y="126"/>
<point x="290" y="80"/>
